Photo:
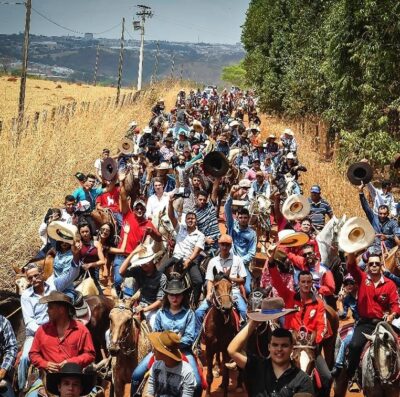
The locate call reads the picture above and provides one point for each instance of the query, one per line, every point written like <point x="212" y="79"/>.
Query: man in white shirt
<point x="157" y="201"/>
<point x="383" y="196"/>
<point x="97" y="164"/>
<point x="233" y="266"/>
<point x="189" y="244"/>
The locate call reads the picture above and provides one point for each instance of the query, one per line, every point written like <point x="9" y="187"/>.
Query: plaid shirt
<point x="8" y="344"/>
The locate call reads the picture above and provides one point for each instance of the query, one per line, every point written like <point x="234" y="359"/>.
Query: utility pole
<point x="121" y="60"/>
<point x="145" y="12"/>
<point x="21" y="105"/>
<point x="96" y="65"/>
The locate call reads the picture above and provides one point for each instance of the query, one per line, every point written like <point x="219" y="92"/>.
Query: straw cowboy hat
<point x="355" y="235"/>
<point x="163" y="166"/>
<point x="143" y="254"/>
<point x="166" y="342"/>
<point x="296" y="207"/>
<point x="61" y="231"/>
<point x="109" y="169"/>
<point x="175" y="287"/>
<point x="197" y="126"/>
<point x="126" y="146"/>
<point x="288" y="131"/>
<point x="271" y="309"/>
<point x="290" y="238"/>
<point x="88" y="380"/>
<point x="56" y="296"/>
<point x="360" y="172"/>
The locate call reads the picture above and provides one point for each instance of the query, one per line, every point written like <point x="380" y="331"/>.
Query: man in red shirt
<point x="311" y="314"/>
<point x="62" y="340"/>
<point x="110" y="200"/>
<point x="140" y="226"/>
<point x="378" y="299"/>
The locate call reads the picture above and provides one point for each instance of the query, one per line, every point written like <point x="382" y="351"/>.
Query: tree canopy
<point x="338" y="60"/>
<point x="234" y="74"/>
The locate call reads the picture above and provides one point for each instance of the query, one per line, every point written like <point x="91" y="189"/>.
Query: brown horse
<point x="220" y="327"/>
<point x="128" y="343"/>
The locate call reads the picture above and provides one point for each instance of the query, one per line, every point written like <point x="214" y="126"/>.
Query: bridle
<point x="217" y="303"/>
<point x="123" y="341"/>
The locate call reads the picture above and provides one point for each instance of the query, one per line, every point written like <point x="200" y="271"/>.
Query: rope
<point x="15" y="311"/>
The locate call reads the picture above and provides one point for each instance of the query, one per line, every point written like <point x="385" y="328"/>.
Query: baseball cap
<point x="225" y="238"/>
<point x="139" y="201"/>
<point x="315" y="189"/>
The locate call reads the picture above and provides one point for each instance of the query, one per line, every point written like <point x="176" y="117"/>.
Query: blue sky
<point x="213" y="21"/>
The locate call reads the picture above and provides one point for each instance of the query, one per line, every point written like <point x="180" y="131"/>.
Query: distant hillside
<point x="73" y="58"/>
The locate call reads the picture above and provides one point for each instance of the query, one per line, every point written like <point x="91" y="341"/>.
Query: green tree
<point x="234" y="74"/>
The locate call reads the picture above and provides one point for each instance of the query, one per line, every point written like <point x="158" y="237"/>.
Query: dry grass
<point x="45" y="94"/>
<point x="337" y="190"/>
<point x="38" y="173"/>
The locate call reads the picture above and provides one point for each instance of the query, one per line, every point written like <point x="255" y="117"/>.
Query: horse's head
<point x="121" y="327"/>
<point x="385" y="352"/>
<point x="21" y="283"/>
<point x="256" y="297"/>
<point x="164" y="224"/>
<point x="304" y="350"/>
<point x="222" y="295"/>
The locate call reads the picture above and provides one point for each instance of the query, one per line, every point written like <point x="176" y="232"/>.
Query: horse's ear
<point x="370" y="337"/>
<point x="16" y="268"/>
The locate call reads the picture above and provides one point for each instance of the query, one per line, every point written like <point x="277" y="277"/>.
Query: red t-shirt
<point x="76" y="347"/>
<point x="110" y="200"/>
<point x="137" y="231"/>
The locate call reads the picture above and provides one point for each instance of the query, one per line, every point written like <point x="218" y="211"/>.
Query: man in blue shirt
<point x="8" y="354"/>
<point x="382" y="224"/>
<point x="320" y="208"/>
<point x="244" y="237"/>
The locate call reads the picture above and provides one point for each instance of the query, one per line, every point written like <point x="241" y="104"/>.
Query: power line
<point x="72" y="30"/>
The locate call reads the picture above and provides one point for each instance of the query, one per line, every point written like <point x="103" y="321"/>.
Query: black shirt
<point x="262" y="381"/>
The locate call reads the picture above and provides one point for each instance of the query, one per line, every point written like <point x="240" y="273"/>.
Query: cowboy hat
<point x="290" y="238"/>
<point x="271" y="309"/>
<point x="360" y="172"/>
<point x="143" y="254"/>
<point x="272" y="136"/>
<point x="167" y="343"/>
<point x="62" y="231"/>
<point x="133" y="124"/>
<point x="288" y="131"/>
<point x="163" y="166"/>
<point x="295" y="207"/>
<point x="56" y="296"/>
<point x="234" y="123"/>
<point x="290" y="156"/>
<point x="88" y="380"/>
<point x="175" y="287"/>
<point x="147" y="130"/>
<point x="126" y="146"/>
<point x="197" y="125"/>
<point x="109" y="169"/>
<point x="355" y="235"/>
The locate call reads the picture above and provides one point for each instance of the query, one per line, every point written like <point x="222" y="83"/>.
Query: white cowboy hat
<point x="143" y="254"/>
<point x="133" y="124"/>
<point x="147" y="130"/>
<point x="295" y="207"/>
<point x="290" y="156"/>
<point x="62" y="231"/>
<point x="288" y="131"/>
<point x="290" y="238"/>
<point x="163" y="166"/>
<point x="197" y="125"/>
<point x="355" y="235"/>
<point x="126" y="146"/>
<point x="234" y="123"/>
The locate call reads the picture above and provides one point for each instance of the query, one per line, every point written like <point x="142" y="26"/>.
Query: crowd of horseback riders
<point x="194" y="244"/>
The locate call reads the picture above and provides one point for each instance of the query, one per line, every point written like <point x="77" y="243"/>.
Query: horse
<point x="10" y="308"/>
<point x="129" y="343"/>
<point x="220" y="327"/>
<point x="380" y="365"/>
<point x="132" y="180"/>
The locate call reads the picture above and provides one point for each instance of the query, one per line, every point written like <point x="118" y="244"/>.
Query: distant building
<point x="88" y="36"/>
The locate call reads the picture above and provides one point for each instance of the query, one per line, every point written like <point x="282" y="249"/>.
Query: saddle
<point x="82" y="309"/>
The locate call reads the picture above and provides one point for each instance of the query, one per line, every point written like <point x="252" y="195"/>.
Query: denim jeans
<point x="24" y="362"/>
<point x="118" y="279"/>
<point x="247" y="283"/>
<point x="202" y="310"/>
<point x="140" y="371"/>
<point x="342" y="350"/>
<point x="9" y="392"/>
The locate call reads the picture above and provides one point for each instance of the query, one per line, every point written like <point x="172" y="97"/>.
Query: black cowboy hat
<point x="359" y="173"/>
<point x="216" y="164"/>
<point x="88" y="380"/>
<point x="175" y="287"/>
<point x="109" y="169"/>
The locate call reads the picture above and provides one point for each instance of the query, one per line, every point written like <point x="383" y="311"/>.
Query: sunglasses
<point x="374" y="263"/>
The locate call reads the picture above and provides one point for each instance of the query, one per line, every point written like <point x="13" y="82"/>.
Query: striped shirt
<point x="319" y="211"/>
<point x="8" y="344"/>
<point x="207" y="221"/>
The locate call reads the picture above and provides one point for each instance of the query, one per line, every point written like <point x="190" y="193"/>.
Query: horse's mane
<point x="220" y="277"/>
<point x="388" y="328"/>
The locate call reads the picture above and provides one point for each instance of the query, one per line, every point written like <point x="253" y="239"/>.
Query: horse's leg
<point x="225" y="373"/>
<point x="216" y="365"/>
<point x="329" y="351"/>
<point x="210" y="377"/>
